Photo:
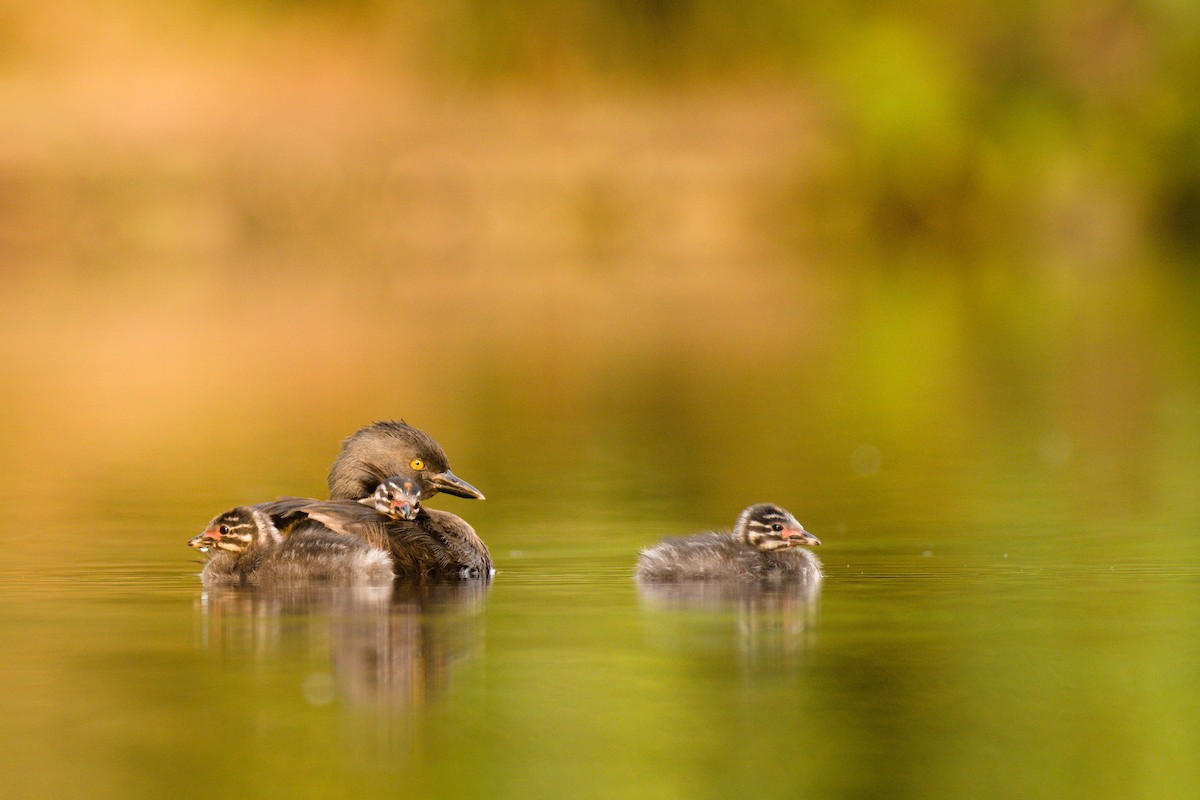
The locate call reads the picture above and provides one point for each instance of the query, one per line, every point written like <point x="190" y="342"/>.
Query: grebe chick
<point x="248" y="550"/>
<point x="762" y="547"/>
<point x="427" y="542"/>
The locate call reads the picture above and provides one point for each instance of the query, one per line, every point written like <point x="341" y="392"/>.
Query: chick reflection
<point x="772" y="625"/>
<point x="391" y="646"/>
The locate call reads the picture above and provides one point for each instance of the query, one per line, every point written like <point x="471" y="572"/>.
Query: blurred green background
<point x="260" y="212"/>
<point x="925" y="273"/>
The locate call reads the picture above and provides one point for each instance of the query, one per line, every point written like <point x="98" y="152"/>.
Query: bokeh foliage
<point x="1058" y="131"/>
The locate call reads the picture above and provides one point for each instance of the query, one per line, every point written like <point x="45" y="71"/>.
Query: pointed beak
<point x="450" y="483"/>
<point x="200" y="542"/>
<point x="799" y="536"/>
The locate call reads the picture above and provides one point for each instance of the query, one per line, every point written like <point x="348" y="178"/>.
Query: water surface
<point x="1007" y="505"/>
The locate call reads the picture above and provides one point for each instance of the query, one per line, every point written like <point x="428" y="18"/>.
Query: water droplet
<point x="1054" y="448"/>
<point x="318" y="689"/>
<point x="866" y="459"/>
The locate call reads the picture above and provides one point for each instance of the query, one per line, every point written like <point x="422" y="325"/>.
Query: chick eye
<point x="776" y="527"/>
<point x="417" y="463"/>
<point x="224" y="529"/>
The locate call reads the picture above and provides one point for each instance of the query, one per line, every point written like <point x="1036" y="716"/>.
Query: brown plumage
<point x="247" y="550"/>
<point x="377" y="456"/>
<point x="438" y="544"/>
<point x="390" y="449"/>
<point x="432" y="544"/>
<point x="762" y="547"/>
<point x="292" y="515"/>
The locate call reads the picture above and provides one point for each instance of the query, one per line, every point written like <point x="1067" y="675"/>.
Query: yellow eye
<point x="417" y="463"/>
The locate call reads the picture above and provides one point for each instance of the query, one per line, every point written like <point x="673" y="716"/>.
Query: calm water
<point x="1009" y="513"/>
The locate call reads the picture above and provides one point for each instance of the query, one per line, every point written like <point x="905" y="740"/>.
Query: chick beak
<point x="404" y="509"/>
<point x="450" y="483"/>
<point x="201" y="542"/>
<point x="798" y="536"/>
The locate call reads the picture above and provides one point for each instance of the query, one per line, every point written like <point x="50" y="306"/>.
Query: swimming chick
<point x="764" y="546"/>
<point x="247" y="549"/>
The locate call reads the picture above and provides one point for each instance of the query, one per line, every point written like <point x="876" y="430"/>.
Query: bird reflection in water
<point x="391" y="647"/>
<point x="771" y="626"/>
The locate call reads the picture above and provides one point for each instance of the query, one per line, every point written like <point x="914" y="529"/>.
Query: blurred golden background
<point x="297" y="216"/>
<point x="923" y="272"/>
